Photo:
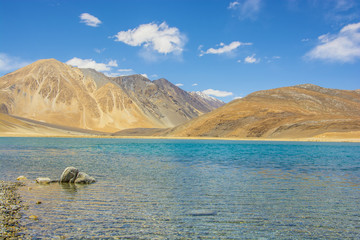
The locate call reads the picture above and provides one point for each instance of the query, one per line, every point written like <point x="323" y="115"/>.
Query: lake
<point x="171" y="189"/>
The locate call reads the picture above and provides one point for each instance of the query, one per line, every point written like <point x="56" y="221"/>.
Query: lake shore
<point x="349" y="137"/>
<point x="10" y="207"/>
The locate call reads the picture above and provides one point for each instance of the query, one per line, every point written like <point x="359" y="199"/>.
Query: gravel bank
<point x="10" y="210"/>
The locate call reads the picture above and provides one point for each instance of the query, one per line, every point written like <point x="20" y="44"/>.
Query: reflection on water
<point x="189" y="189"/>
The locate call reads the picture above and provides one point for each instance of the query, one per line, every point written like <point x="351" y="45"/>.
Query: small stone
<point x="33" y="217"/>
<point x="21" y="178"/>
<point x="29" y="188"/>
<point x="43" y="180"/>
<point x="15" y="207"/>
<point x="38" y="202"/>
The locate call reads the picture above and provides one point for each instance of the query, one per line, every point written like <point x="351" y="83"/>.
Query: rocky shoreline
<point x="10" y="210"/>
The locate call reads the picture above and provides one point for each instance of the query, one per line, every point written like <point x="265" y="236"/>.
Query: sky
<point x="225" y="49"/>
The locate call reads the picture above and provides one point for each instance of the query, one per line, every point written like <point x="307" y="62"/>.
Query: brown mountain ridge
<point x="301" y="111"/>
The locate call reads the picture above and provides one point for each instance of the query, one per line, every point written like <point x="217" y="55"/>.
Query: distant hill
<point x="291" y="112"/>
<point x="53" y="92"/>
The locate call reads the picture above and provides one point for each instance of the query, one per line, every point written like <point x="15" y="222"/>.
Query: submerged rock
<point x="72" y="175"/>
<point x="202" y="212"/>
<point x="69" y="175"/>
<point x="43" y="180"/>
<point x="83" y="178"/>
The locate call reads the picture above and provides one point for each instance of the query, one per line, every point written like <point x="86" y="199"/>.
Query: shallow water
<point x="161" y="189"/>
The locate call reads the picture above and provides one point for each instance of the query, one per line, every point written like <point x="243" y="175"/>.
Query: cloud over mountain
<point x="224" y="48"/>
<point x="159" y="38"/>
<point x="217" y="93"/>
<point x="341" y="47"/>
<point x="89" y="63"/>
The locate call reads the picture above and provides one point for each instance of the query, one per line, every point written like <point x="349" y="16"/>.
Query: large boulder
<point x="69" y="175"/>
<point x="83" y="178"/>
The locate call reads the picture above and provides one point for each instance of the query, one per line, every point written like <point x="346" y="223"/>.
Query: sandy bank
<point x="320" y="138"/>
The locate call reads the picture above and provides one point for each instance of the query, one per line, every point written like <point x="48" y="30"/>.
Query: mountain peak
<point x="164" y="82"/>
<point x="49" y="61"/>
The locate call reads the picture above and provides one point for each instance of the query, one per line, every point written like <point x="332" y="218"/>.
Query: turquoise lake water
<point x="188" y="189"/>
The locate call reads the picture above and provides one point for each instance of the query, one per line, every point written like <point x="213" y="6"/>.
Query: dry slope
<point x="53" y="92"/>
<point x="290" y="112"/>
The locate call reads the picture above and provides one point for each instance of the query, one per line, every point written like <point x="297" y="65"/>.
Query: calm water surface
<point x="155" y="189"/>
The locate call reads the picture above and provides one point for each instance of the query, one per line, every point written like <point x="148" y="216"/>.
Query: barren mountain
<point x="289" y="112"/>
<point x="53" y="92"/>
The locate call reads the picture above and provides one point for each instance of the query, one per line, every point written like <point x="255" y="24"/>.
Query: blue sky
<point x="225" y="48"/>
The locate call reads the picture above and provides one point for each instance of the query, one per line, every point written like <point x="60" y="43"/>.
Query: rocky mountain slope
<point x="53" y="92"/>
<point x="290" y="112"/>
<point x="210" y="102"/>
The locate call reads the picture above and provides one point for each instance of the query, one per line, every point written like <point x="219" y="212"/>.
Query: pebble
<point x="21" y="178"/>
<point x="33" y="217"/>
<point x="10" y="207"/>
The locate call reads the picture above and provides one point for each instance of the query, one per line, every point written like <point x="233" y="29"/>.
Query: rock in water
<point x="43" y="180"/>
<point x="83" y="178"/>
<point x="202" y="212"/>
<point x="69" y="175"/>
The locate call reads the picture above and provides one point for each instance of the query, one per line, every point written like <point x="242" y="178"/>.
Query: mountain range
<point x="53" y="92"/>
<point x="54" y="98"/>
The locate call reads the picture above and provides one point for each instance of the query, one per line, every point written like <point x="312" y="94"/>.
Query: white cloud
<point x="233" y="5"/>
<point x="89" y="63"/>
<point x="251" y="59"/>
<point x="217" y="93"/>
<point x="341" y="47"/>
<point x="125" y="70"/>
<point x="99" y="50"/>
<point x="224" y="48"/>
<point x="195" y="84"/>
<point x="144" y="75"/>
<point x="271" y="59"/>
<point x="154" y="76"/>
<point x="344" y="5"/>
<point x="89" y="20"/>
<point x="179" y="84"/>
<point x="113" y="74"/>
<point x="246" y="8"/>
<point x="160" y="38"/>
<point x="237" y="98"/>
<point x="9" y="63"/>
